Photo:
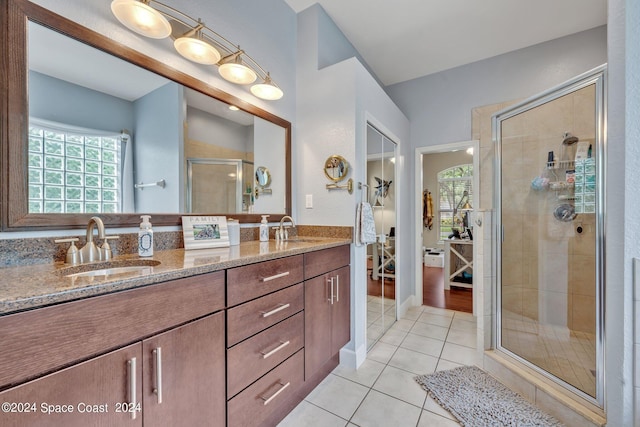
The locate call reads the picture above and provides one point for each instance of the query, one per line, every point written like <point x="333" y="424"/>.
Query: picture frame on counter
<point x="205" y="232"/>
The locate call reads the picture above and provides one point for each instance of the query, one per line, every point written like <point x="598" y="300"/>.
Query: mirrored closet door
<point x="381" y="255"/>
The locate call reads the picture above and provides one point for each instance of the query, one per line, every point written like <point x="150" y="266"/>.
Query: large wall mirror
<point x="91" y="126"/>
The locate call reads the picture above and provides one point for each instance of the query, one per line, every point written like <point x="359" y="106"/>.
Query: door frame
<point x="435" y="149"/>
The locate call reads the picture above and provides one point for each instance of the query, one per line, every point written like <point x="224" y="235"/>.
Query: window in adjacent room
<point x="452" y="184"/>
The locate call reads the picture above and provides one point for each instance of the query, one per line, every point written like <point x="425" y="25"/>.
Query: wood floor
<point x="434" y="294"/>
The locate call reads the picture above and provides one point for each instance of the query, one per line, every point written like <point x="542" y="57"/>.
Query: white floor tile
<point x="435" y="319"/>
<point x="465" y="338"/>
<point x="413" y="313"/>
<point x="381" y="352"/>
<point x="422" y="344"/>
<point x="463" y="325"/>
<point x="366" y="374"/>
<point x="309" y="415"/>
<point x="429" y="330"/>
<point x="401" y="385"/>
<point x="403" y="325"/>
<point x="445" y="365"/>
<point x="429" y="419"/>
<point x="393" y="336"/>
<point x="431" y="405"/>
<point x="459" y="354"/>
<point x="338" y="396"/>
<point x="378" y="410"/>
<point x="413" y="361"/>
<point x="440" y="311"/>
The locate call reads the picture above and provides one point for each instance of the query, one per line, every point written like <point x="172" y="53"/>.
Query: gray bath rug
<point x="478" y="400"/>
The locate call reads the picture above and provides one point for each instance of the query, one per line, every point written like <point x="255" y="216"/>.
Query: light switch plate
<point x="308" y="203"/>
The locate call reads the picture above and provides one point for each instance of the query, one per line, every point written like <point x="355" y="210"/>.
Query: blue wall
<point x="63" y="102"/>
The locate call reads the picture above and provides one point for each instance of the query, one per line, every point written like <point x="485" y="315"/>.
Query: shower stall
<point x="550" y="233"/>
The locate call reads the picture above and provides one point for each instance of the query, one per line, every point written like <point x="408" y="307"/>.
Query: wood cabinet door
<point x="184" y="375"/>
<point x="93" y="393"/>
<point x="341" y="318"/>
<point x="317" y="324"/>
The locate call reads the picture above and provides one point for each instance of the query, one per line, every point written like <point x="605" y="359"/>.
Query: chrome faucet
<point x="90" y="251"/>
<point x="282" y="232"/>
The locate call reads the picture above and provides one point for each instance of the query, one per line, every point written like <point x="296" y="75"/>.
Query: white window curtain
<point x="128" y="201"/>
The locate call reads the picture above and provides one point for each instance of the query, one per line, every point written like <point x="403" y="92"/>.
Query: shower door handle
<point x="502" y="234"/>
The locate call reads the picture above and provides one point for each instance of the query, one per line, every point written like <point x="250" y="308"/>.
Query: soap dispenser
<point x="145" y="237"/>
<point x="264" y="229"/>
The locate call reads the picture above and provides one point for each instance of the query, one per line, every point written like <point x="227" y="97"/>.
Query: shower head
<point x="569" y="139"/>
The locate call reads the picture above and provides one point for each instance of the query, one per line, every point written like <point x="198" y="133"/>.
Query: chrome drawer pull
<point x="267" y="400"/>
<point x="157" y="373"/>
<point x="131" y="367"/>
<point x="337" y="288"/>
<point x="275" y="350"/>
<point x="276" y="276"/>
<point x="275" y="310"/>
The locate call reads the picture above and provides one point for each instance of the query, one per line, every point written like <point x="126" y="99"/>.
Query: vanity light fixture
<point x="141" y="18"/>
<point x="191" y="46"/>
<point x="233" y="70"/>
<point x="267" y="90"/>
<point x="233" y="108"/>
<point x="195" y="42"/>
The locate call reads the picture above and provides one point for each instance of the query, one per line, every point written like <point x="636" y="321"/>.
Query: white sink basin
<point x="111" y="268"/>
<point x="140" y="269"/>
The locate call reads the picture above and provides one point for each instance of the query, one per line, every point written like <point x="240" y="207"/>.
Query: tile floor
<point x="382" y="392"/>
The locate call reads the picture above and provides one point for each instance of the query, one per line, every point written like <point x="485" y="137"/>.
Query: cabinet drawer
<point x="256" y="356"/>
<point x="265" y="397"/>
<point x="325" y="260"/>
<point x="252" y="281"/>
<point x="41" y="340"/>
<point x="252" y="317"/>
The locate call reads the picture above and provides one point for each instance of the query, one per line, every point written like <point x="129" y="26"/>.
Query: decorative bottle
<point x="145" y="237"/>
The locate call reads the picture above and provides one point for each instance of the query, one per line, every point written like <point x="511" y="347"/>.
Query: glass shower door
<point x="550" y="222"/>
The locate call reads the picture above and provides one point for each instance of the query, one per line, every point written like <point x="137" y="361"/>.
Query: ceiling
<point x="404" y="39"/>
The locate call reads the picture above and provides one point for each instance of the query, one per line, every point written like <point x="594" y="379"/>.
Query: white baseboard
<point x="353" y="359"/>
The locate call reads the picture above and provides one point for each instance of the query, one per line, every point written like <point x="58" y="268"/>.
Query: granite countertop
<point x="35" y="286"/>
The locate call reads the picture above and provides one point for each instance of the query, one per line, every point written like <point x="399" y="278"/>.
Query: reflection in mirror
<point x="336" y="168"/>
<point x="219" y="185"/>
<point x="263" y="177"/>
<point x="103" y="117"/>
<point x="81" y="162"/>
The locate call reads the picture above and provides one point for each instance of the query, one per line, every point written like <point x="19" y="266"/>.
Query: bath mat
<point x="476" y="399"/>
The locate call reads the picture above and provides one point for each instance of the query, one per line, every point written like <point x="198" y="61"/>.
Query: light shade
<point x="197" y="50"/>
<point x="141" y="18"/>
<point x="236" y="72"/>
<point x="267" y="90"/>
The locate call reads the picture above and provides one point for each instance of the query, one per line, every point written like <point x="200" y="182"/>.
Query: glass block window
<point x="72" y="172"/>
<point x="452" y="185"/>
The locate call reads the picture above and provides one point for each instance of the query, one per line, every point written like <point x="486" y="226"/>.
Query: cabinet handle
<point x="330" y="280"/>
<point x="157" y="373"/>
<point x="337" y="288"/>
<point x="275" y="276"/>
<point x="275" y="310"/>
<point x="274" y="395"/>
<point x="131" y="368"/>
<point x="275" y="350"/>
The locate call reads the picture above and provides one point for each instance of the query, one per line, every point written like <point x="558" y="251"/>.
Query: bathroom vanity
<point x="233" y="339"/>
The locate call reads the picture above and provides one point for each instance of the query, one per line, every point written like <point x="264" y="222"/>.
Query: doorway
<point x="446" y="176"/>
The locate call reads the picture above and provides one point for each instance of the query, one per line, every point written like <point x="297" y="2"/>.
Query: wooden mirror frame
<point x="14" y="118"/>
